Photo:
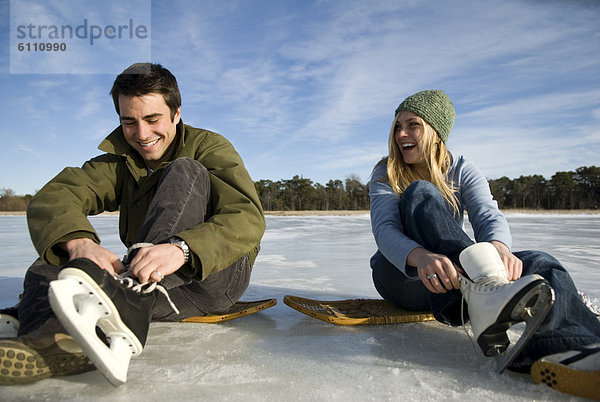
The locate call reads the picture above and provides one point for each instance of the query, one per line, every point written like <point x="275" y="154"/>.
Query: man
<point x="189" y="214"/>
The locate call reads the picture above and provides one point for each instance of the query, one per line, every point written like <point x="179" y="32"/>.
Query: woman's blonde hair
<point x="436" y="156"/>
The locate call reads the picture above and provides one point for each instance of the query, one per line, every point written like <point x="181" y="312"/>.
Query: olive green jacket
<point x="119" y="180"/>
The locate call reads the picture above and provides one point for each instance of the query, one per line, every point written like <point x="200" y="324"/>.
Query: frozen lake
<point x="280" y="354"/>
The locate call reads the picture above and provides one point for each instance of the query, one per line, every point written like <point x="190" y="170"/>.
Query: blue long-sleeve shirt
<point x="473" y="195"/>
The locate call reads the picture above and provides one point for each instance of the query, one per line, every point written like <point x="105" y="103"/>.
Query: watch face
<point x="183" y="246"/>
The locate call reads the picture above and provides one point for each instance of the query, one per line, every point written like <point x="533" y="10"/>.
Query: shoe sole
<point x="62" y="362"/>
<point x="585" y="384"/>
<point x="20" y="364"/>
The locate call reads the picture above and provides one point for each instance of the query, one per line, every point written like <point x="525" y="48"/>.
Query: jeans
<point x="180" y="202"/>
<point x="428" y="221"/>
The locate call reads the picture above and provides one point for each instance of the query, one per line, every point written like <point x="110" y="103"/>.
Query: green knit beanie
<point x="433" y="106"/>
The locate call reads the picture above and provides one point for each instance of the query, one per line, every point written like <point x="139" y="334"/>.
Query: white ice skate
<point x="495" y="303"/>
<point x="81" y="306"/>
<point x="9" y="326"/>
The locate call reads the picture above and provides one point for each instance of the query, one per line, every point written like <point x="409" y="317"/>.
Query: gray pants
<point x="180" y="202"/>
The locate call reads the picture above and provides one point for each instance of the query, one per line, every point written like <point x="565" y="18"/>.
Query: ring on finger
<point x="431" y="276"/>
<point x="157" y="272"/>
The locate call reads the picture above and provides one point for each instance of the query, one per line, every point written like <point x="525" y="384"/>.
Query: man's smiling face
<point x="148" y="127"/>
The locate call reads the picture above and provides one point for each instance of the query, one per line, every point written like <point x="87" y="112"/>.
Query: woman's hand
<point x="436" y="271"/>
<point x="514" y="266"/>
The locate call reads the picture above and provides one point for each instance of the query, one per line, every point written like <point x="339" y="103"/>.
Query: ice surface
<point x="282" y="355"/>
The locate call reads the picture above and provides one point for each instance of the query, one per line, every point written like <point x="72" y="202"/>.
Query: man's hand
<point x="165" y="258"/>
<point x="87" y="248"/>
<point x="514" y="266"/>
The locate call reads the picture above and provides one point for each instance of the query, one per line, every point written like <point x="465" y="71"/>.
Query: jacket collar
<point x="116" y="144"/>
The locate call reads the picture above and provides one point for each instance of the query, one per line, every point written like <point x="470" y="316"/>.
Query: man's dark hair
<point x="145" y="78"/>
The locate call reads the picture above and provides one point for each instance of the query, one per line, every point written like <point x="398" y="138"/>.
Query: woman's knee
<point x="421" y="191"/>
<point x="538" y="262"/>
<point x="421" y="187"/>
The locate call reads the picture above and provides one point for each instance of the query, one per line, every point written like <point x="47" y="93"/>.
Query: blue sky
<point x="309" y="87"/>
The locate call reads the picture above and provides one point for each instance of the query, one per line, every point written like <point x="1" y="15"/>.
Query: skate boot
<point x="576" y="372"/>
<point x="495" y="303"/>
<point x="88" y="299"/>
<point x="43" y="353"/>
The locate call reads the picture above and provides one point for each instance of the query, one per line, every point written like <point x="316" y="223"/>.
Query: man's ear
<point x="177" y="117"/>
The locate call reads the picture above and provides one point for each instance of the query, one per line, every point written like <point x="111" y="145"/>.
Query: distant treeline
<point x="300" y="194"/>
<point x="565" y="190"/>
<point x="9" y="201"/>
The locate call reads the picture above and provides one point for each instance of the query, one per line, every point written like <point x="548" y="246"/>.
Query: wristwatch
<point x="182" y="245"/>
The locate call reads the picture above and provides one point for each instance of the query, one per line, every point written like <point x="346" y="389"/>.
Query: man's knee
<point x="188" y="167"/>
<point x="186" y="174"/>
<point x="186" y="164"/>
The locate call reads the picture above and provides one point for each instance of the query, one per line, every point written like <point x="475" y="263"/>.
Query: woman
<point x="425" y="261"/>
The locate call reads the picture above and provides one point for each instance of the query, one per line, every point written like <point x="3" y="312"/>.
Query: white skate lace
<point x="136" y="286"/>
<point x="487" y="285"/>
<point x="144" y="288"/>
<point x="135" y="247"/>
<point x="462" y="313"/>
<point x="464" y="326"/>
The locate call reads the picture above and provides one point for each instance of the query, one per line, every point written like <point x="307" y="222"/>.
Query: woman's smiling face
<point x="409" y="134"/>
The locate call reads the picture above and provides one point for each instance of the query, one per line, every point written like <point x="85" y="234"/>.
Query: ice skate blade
<point x="494" y="340"/>
<point x="533" y="315"/>
<point x="81" y="306"/>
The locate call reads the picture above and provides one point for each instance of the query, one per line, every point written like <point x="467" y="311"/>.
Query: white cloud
<point x="311" y="86"/>
<point x="513" y="151"/>
<point x="503" y="66"/>
<point x="92" y="101"/>
<point x="22" y="149"/>
<point x="545" y="106"/>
